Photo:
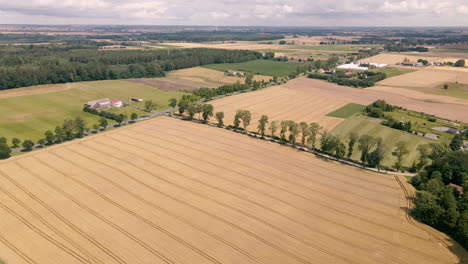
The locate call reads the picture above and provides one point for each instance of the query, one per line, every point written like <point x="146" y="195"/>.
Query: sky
<point x="237" y="12"/>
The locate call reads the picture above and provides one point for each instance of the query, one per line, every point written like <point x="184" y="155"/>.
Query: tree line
<point x="20" y="67"/>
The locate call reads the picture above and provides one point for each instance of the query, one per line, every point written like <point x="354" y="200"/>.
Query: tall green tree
<point x="457" y="142"/>
<point x="273" y="128"/>
<point x="400" y="151"/>
<point x="191" y="110"/>
<point x="15" y="142"/>
<point x="424" y="151"/>
<point x="79" y="125"/>
<point x="376" y="157"/>
<point x="149" y="106"/>
<point x="220" y="118"/>
<point x="237" y="118"/>
<point x="459" y="63"/>
<point x="173" y="102"/>
<point x="49" y="137"/>
<point x="293" y="132"/>
<point x="262" y="125"/>
<point x="28" y="145"/>
<point x="246" y="118"/>
<point x="207" y="112"/>
<point x="59" y="134"/>
<point x="5" y="150"/>
<point x="305" y="132"/>
<point x="314" y="129"/>
<point x="353" y="138"/>
<point x="283" y="129"/>
<point x="103" y="123"/>
<point x="183" y="105"/>
<point x="68" y="129"/>
<point x="249" y="78"/>
<point x="365" y="145"/>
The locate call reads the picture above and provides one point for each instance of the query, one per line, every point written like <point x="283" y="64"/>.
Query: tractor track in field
<point x="62" y="218"/>
<point x="99" y="216"/>
<point x="133" y="213"/>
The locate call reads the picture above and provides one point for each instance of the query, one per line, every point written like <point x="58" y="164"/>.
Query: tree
<point x="183" y="105"/>
<point x="191" y="110"/>
<point x="246" y="117"/>
<point x="103" y="123"/>
<point x="457" y="142"/>
<point x="293" y="132"/>
<point x="400" y="151"/>
<point x="314" y="130"/>
<point x="284" y="128"/>
<point x="328" y="142"/>
<point x="68" y="128"/>
<point x="96" y="128"/>
<point x="41" y="142"/>
<point x="282" y="42"/>
<point x="459" y="63"/>
<point x="427" y="209"/>
<point x="134" y="117"/>
<point x="199" y="110"/>
<point x="340" y="150"/>
<point x="207" y="112"/>
<point x="375" y="157"/>
<point x="273" y="128"/>
<point x="79" y="126"/>
<point x="237" y="118"/>
<point x="49" y="137"/>
<point x="446" y="86"/>
<point x="249" y="79"/>
<point x="423" y="155"/>
<point x="3" y="140"/>
<point x="173" y="102"/>
<point x="262" y="123"/>
<point x="15" y="142"/>
<point x="59" y="134"/>
<point x="366" y="143"/>
<point x="305" y="132"/>
<point x="150" y="106"/>
<point x="220" y="117"/>
<point x="5" y="150"/>
<point x="28" y="145"/>
<point x="353" y="137"/>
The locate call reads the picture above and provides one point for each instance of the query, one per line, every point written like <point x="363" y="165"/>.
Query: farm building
<point x="321" y="71"/>
<point x="330" y="71"/>
<point x="411" y="63"/>
<point x="117" y="103"/>
<point x="349" y="73"/>
<point x="98" y="104"/>
<point x="234" y="73"/>
<point x="352" y="66"/>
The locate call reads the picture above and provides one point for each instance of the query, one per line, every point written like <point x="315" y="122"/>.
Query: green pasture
<point x="347" y="110"/>
<point x="28" y="117"/>
<point x="263" y="67"/>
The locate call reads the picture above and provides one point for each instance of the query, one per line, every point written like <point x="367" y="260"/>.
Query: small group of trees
<point x="204" y="111"/>
<point x="438" y="204"/>
<point x="119" y="118"/>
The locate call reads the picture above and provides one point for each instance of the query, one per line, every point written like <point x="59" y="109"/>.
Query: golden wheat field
<point x="426" y="78"/>
<point x="200" y="74"/>
<point x="281" y="103"/>
<point x="169" y="191"/>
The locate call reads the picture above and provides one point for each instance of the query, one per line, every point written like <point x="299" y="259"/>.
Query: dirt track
<point x="168" y="191"/>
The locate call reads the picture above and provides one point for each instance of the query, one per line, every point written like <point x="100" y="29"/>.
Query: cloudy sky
<point x="238" y="12"/>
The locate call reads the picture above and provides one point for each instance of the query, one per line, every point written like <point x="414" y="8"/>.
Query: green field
<point x="390" y="137"/>
<point x="28" y="117"/>
<point x="392" y="72"/>
<point x="347" y="111"/>
<point x="330" y="47"/>
<point x="263" y="67"/>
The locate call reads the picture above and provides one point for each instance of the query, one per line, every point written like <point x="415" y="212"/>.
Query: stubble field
<point x="154" y="193"/>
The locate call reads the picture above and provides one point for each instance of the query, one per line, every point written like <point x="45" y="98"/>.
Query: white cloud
<point x="239" y="12"/>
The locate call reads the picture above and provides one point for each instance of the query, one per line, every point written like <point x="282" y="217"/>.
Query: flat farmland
<point x="282" y="103"/>
<point x="426" y="78"/>
<point x="154" y="193"/>
<point x="393" y="58"/>
<point x="210" y="76"/>
<point x="442" y="106"/>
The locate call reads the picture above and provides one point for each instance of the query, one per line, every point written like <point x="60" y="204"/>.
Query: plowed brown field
<point x="167" y="191"/>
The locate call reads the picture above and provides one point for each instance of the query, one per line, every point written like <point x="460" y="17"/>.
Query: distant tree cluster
<point x="27" y="66"/>
<point x="364" y="79"/>
<point x="119" y="118"/>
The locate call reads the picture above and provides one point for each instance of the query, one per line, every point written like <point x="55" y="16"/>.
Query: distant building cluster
<point x="360" y="66"/>
<point x="104" y="103"/>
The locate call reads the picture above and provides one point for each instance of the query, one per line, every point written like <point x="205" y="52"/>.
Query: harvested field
<point x="210" y="76"/>
<point x="426" y="78"/>
<point x="282" y="103"/>
<point x="149" y="193"/>
<point x="447" y="107"/>
<point x="393" y="58"/>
